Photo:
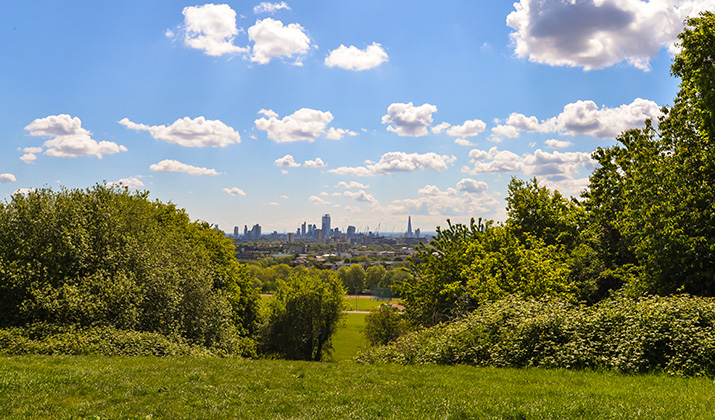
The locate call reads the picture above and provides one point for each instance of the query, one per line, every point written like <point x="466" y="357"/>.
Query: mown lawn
<point x="349" y="339"/>
<point x="45" y="387"/>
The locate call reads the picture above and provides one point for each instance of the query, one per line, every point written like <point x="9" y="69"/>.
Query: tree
<point x="662" y="179"/>
<point x="303" y="316"/>
<point x="355" y="279"/>
<point x="105" y="256"/>
<point x="384" y="324"/>
<point x="374" y="275"/>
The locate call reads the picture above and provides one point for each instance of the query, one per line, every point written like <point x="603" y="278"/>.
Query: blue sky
<point x="278" y="112"/>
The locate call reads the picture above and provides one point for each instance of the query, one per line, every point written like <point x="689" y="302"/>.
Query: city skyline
<point x="274" y="112"/>
<point x="308" y="230"/>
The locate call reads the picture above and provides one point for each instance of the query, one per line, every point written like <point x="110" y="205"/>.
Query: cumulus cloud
<point x="338" y="133"/>
<point x="595" y="34"/>
<point x="286" y="161"/>
<point x="131" y="182"/>
<point x="400" y="162"/>
<point x="472" y="186"/>
<point x="69" y="139"/>
<point x="440" y="127"/>
<point x="352" y="184"/>
<point x="559" y="168"/>
<point x="235" y="192"/>
<point x="317" y="163"/>
<point x="30" y="154"/>
<point x="267" y="7"/>
<point x="435" y="202"/>
<point x="187" y="132"/>
<point x="463" y="142"/>
<point x="360" y="196"/>
<point x="271" y="39"/>
<point x="304" y="124"/>
<point x="7" y="178"/>
<point x="470" y="128"/>
<point x="409" y="120"/>
<point x="170" y="165"/>
<point x="584" y="118"/>
<point x="557" y="144"/>
<point x="211" y="28"/>
<point x="353" y="58"/>
<point x="317" y="201"/>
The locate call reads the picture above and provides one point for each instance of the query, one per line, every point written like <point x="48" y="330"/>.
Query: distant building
<point x="326" y="225"/>
<point x="302" y="229"/>
<point x="235" y="232"/>
<point x="351" y="231"/>
<point x="409" y="227"/>
<point x="245" y="231"/>
<point x="256" y="232"/>
<point x="290" y="237"/>
<point x="417" y="233"/>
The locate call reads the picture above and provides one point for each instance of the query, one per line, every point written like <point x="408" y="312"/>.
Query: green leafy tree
<point x="354" y="279"/>
<point x="374" y="276"/>
<point x="105" y="256"/>
<point x="303" y="316"/>
<point x="384" y="324"/>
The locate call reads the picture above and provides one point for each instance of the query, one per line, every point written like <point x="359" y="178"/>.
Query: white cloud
<point x="286" y="161"/>
<point x="7" y="178"/>
<point x="317" y="201"/>
<point x="470" y="128"/>
<point x="338" y="133"/>
<point x="435" y="202"/>
<point x="131" y="182"/>
<point x="463" y="142"/>
<point x="505" y="131"/>
<point x="472" y="186"/>
<point x="285" y="197"/>
<point x="304" y="124"/>
<point x="351" y="184"/>
<point x="69" y="139"/>
<point x="400" y="162"/>
<point x="409" y="120"/>
<point x="211" y="28"/>
<point x="170" y="165"/>
<point x="559" y="168"/>
<point x="28" y="157"/>
<point x="267" y="7"/>
<point x="187" y="132"/>
<point x="235" y="191"/>
<point x="557" y="144"/>
<point x="353" y="58"/>
<point x="594" y="34"/>
<point x="360" y="196"/>
<point x="317" y="163"/>
<point x="584" y="118"/>
<point x="440" y="127"/>
<point x="274" y="40"/>
<point x="354" y="210"/>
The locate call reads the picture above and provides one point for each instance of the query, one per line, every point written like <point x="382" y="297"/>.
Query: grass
<point x="364" y="304"/>
<point x="40" y="387"/>
<point x="349" y="339"/>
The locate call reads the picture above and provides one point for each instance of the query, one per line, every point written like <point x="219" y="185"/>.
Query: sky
<point x="371" y="111"/>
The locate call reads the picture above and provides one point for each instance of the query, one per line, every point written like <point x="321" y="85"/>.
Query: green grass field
<point x="349" y="339"/>
<point x="45" y="387"/>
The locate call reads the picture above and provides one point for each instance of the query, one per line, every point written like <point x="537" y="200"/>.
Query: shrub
<point x="384" y="324"/>
<point x="673" y="334"/>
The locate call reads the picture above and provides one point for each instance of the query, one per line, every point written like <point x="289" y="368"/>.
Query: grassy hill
<point x="44" y="387"/>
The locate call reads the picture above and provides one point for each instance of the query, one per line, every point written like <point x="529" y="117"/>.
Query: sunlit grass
<point x="43" y="387"/>
<point x="349" y="339"/>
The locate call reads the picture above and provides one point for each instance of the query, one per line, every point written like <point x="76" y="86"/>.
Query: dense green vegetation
<point x="35" y="387"/>
<point x="105" y="257"/>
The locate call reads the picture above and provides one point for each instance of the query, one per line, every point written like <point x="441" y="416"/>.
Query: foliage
<point x="303" y="316"/>
<point x="384" y="324"/>
<point x="374" y="276"/>
<point x="108" y="341"/>
<point x="106" y="257"/>
<point x="354" y="279"/>
<point x="670" y="334"/>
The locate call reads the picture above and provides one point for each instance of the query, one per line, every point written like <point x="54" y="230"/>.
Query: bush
<point x="674" y="334"/>
<point x="303" y="316"/>
<point x="384" y="324"/>
<point x="108" y="257"/>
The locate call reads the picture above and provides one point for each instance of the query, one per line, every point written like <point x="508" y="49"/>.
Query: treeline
<point x="645" y="226"/>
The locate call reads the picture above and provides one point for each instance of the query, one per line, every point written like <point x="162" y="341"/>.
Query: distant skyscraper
<point x="409" y="227"/>
<point x="235" y="232"/>
<point x="302" y="229"/>
<point x="245" y="231"/>
<point x="326" y="225"/>
<point x="351" y="231"/>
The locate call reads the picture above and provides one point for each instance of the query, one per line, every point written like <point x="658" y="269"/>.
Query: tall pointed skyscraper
<point x="409" y="227"/>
